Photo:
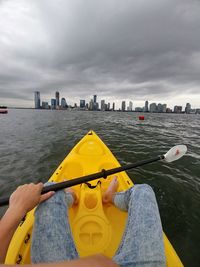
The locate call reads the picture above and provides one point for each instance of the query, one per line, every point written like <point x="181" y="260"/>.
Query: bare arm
<point x="8" y="225"/>
<point x="94" y="261"/>
<point x="24" y="199"/>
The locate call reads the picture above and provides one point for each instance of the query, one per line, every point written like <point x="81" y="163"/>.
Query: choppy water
<point x="34" y="142"/>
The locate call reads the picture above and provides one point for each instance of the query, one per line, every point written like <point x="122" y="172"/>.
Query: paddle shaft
<point x="103" y="174"/>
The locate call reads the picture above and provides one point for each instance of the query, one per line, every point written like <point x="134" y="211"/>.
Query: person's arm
<point x="24" y="199"/>
<point x="94" y="261"/>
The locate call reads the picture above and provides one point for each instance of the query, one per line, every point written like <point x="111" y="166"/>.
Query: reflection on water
<point x="34" y="142"/>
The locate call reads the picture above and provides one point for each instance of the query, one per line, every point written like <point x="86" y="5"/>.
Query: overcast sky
<point x="118" y="49"/>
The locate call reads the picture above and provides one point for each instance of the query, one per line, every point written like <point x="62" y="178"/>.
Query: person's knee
<point x="145" y="187"/>
<point x="58" y="196"/>
<point x="142" y="190"/>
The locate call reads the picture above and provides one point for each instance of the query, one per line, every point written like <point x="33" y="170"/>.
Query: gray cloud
<point x="138" y="50"/>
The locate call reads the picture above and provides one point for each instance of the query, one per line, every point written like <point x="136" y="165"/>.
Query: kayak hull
<point x="96" y="228"/>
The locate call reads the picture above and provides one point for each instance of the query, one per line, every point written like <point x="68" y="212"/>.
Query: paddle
<point x="173" y="154"/>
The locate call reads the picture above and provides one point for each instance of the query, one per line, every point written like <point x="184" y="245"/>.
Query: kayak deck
<point x="96" y="228"/>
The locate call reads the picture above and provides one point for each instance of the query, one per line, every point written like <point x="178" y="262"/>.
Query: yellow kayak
<point x="94" y="225"/>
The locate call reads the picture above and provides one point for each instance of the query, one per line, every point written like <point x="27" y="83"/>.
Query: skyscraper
<point x="160" y="108"/>
<point x="82" y="103"/>
<point x="188" y="108"/>
<point x="103" y="105"/>
<point x="177" y="109"/>
<point x="123" y="105"/>
<point x="164" y="108"/>
<point x="53" y="103"/>
<point x="130" y="107"/>
<point x="63" y="103"/>
<point x="57" y="100"/>
<point x="37" y="99"/>
<point x="113" y="106"/>
<point x="146" y="107"/>
<point x="95" y="104"/>
<point x="153" y="107"/>
<point x="91" y="105"/>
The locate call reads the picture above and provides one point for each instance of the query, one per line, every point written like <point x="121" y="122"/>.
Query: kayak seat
<point x="90" y="226"/>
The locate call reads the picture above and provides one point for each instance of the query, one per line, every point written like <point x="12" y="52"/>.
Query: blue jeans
<point x="142" y="242"/>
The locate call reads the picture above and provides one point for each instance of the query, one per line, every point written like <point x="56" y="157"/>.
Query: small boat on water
<point x="93" y="224"/>
<point x="3" y="110"/>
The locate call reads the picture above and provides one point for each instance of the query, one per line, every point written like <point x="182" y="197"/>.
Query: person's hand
<point x="26" y="197"/>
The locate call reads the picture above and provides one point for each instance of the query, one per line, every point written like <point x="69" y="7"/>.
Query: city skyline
<point x="59" y="102"/>
<point x="111" y="99"/>
<point x="72" y="100"/>
<point x="136" y="50"/>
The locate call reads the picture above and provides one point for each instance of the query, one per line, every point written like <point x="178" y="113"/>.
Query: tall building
<point x="82" y="103"/>
<point x="63" y="103"/>
<point x="146" y="106"/>
<point x="160" y="108"/>
<point x="188" y="108"/>
<point x="57" y="99"/>
<point x="37" y="99"/>
<point x="103" y="105"/>
<point x="95" y="104"/>
<point x="53" y="103"/>
<point x="113" y="106"/>
<point x="91" y="105"/>
<point x="123" y="105"/>
<point x="130" y="106"/>
<point x="177" y="109"/>
<point x="153" y="107"/>
<point x="164" y="108"/>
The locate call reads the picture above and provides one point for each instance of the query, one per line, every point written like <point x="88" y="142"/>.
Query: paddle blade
<point x="175" y="153"/>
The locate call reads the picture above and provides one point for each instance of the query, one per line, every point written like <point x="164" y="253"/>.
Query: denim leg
<point x="142" y="242"/>
<point x="52" y="239"/>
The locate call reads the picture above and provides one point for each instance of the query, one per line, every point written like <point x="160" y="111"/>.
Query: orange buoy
<point x="141" y="118"/>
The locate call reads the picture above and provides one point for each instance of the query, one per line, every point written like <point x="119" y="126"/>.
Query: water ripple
<point x="34" y="142"/>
